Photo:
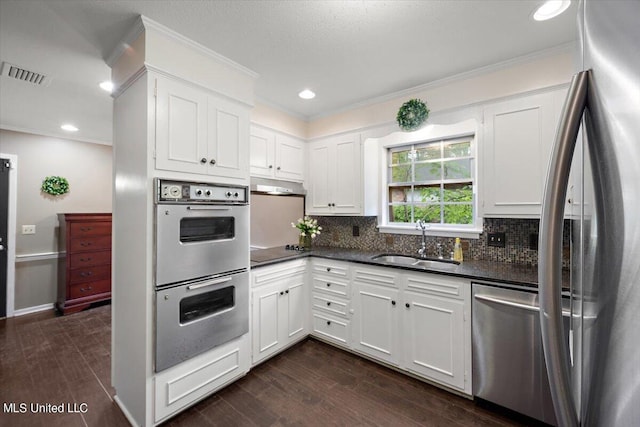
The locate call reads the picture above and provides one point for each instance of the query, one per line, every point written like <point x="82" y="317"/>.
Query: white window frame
<point x="430" y="133"/>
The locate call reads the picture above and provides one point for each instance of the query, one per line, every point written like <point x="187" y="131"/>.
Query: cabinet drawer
<point x="90" y="243"/>
<point x="330" y="268"/>
<point x="190" y="381"/>
<point x="330" y="304"/>
<point x="437" y="285"/>
<point x="331" y="328"/>
<point x="89" y="259"/>
<point x="90" y="229"/>
<point x="331" y="286"/>
<point x="90" y="274"/>
<point x="375" y="276"/>
<point x="89" y="288"/>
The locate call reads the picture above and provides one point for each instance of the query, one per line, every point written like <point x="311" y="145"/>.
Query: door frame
<point x="11" y="232"/>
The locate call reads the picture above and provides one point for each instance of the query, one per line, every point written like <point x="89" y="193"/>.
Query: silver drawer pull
<point x="209" y="283"/>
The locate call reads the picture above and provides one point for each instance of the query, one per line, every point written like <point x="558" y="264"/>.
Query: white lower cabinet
<point x="376" y="314"/>
<point x="279" y="308"/>
<point x="331" y="301"/>
<point x="184" y="384"/>
<point x="433" y="338"/>
<point x="417" y="321"/>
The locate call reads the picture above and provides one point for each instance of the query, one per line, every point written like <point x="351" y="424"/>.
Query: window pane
<point x="398" y="157"/>
<point x="428" y="152"/>
<point x="399" y="194"/>
<point x="427" y="213"/>
<point x="457" y="149"/>
<point x="426" y="194"/>
<point x="457" y="169"/>
<point x="428" y="171"/>
<point x="458" y="214"/>
<point x="400" y="213"/>
<point x="457" y="193"/>
<point x="400" y="173"/>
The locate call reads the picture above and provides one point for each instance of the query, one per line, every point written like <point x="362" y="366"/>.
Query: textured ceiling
<point x="346" y="51"/>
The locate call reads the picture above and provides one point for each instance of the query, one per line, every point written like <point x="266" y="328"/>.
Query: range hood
<point x="277" y="187"/>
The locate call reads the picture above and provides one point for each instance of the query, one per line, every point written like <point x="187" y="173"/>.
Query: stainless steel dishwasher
<point x="508" y="359"/>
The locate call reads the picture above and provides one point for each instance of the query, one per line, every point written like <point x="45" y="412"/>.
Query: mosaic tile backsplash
<point x="520" y="239"/>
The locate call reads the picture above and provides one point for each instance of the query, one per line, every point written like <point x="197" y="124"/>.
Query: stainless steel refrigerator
<point x="594" y="185"/>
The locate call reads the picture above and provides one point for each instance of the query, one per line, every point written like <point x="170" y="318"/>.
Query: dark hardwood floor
<point x="48" y="359"/>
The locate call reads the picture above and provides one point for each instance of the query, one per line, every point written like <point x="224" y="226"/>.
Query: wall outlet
<point x="28" y="229"/>
<point x="496" y="239"/>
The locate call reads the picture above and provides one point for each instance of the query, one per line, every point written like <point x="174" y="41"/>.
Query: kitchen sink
<point x="395" y="259"/>
<point x="435" y="263"/>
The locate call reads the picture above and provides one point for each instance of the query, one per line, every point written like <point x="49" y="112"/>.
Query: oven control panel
<point x="169" y="191"/>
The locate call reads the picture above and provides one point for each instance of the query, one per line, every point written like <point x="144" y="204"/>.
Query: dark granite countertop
<point x="488" y="271"/>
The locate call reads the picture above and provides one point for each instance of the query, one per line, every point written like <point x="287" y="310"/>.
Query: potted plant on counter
<point x="309" y="229"/>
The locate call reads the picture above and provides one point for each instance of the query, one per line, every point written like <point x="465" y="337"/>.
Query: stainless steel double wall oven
<point x="201" y="268"/>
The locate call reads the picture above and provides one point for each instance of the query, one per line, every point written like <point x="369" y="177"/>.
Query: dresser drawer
<point x="89" y="229"/>
<point x="89" y="288"/>
<point x="89" y="259"/>
<point x="90" y="274"/>
<point x="90" y="243"/>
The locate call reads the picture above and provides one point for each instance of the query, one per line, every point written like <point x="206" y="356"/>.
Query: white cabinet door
<point x="181" y="127"/>
<point x="318" y="199"/>
<point x="375" y="321"/>
<point x="335" y="177"/>
<point x="262" y="150"/>
<point x="289" y="158"/>
<point x="267" y="305"/>
<point x="228" y="139"/>
<point x="434" y="338"/>
<point x="200" y="133"/>
<point x="347" y="188"/>
<point x="297" y="310"/>
<point x="518" y="136"/>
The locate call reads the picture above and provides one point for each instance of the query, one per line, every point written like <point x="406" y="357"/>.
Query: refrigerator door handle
<point x="550" y="251"/>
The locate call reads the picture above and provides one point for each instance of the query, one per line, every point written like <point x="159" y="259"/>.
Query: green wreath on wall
<point x="412" y="115"/>
<point x="55" y="185"/>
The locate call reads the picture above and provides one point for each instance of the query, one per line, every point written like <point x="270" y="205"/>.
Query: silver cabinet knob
<point x="212" y="162"/>
<point x="203" y="160"/>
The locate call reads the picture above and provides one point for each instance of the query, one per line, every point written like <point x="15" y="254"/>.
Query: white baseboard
<point x="125" y="411"/>
<point x="34" y="309"/>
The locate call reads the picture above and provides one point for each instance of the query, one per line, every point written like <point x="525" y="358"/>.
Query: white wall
<point x="522" y="75"/>
<point x="87" y="167"/>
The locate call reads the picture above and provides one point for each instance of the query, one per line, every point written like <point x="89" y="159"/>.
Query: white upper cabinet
<point x="335" y="178"/>
<point x="276" y="156"/>
<point x="197" y="132"/>
<point x="518" y="138"/>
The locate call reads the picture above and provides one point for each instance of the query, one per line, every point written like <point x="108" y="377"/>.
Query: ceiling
<point x="346" y="51"/>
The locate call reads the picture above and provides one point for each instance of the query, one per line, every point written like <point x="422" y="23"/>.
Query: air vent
<point x="15" y="72"/>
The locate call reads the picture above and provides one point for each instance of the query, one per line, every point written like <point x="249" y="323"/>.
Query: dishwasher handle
<point x="514" y="304"/>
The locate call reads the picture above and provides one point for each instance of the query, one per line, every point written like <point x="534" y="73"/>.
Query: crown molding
<point x="563" y="48"/>
<point x="130" y="36"/>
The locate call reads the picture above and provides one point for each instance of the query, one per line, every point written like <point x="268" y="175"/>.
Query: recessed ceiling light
<point x="69" y="127"/>
<point x="307" y="94"/>
<point x="107" y="86"/>
<point x="551" y="9"/>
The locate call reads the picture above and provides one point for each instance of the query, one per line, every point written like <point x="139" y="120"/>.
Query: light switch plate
<point x="28" y="229"/>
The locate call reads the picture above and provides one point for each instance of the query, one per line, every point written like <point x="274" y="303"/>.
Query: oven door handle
<point x="207" y="208"/>
<point x="209" y="283"/>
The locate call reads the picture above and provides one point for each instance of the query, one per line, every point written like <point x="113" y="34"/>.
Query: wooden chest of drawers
<point x="84" y="268"/>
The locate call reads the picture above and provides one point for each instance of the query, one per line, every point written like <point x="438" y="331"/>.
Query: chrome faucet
<point x="420" y="224"/>
<point x="439" y="250"/>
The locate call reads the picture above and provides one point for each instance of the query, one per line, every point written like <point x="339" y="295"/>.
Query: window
<point x="432" y="181"/>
